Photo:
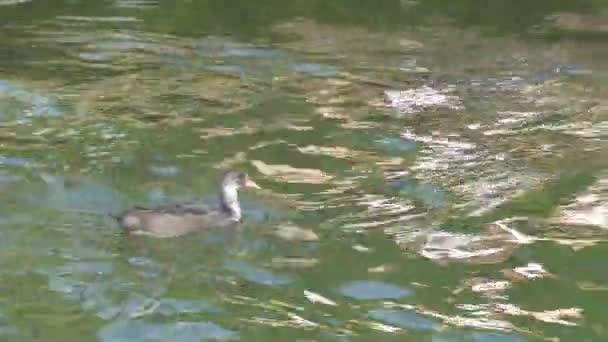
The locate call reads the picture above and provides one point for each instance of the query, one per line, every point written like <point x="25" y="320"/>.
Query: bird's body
<point x="176" y="220"/>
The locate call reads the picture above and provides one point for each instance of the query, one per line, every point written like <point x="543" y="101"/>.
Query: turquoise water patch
<point x="22" y="103"/>
<point x="136" y="331"/>
<point x="397" y="144"/>
<point x="476" y="337"/>
<point x="256" y="274"/>
<point x="75" y="193"/>
<point x="314" y="69"/>
<point x="371" y="289"/>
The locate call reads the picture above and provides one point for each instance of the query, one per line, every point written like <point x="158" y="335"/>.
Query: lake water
<point x="430" y="171"/>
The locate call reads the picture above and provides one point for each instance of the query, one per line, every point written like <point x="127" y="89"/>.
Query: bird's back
<point x="170" y="221"/>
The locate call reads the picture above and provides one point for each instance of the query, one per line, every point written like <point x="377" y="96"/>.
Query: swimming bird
<point x="179" y="219"/>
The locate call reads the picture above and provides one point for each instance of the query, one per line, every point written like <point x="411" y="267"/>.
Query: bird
<point x="179" y="219"/>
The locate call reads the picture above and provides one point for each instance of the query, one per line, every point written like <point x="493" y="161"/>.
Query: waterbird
<point x="179" y="219"/>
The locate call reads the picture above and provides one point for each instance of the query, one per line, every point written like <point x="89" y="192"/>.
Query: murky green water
<point x="430" y="171"/>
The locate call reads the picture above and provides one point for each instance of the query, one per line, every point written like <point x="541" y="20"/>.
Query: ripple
<point x="97" y="56"/>
<point x="588" y="208"/>
<point x="256" y="274"/>
<point x="450" y="162"/>
<point x="404" y="319"/>
<point x="491" y="337"/>
<point x="97" y="19"/>
<point x="218" y="47"/>
<point x="349" y="172"/>
<point x="416" y="100"/>
<point x="135" y="330"/>
<point x="12" y="2"/>
<point x="248" y="52"/>
<point x="291" y="174"/>
<point x="476" y="337"/>
<point x="170" y="307"/>
<point x="377" y="212"/>
<point x="140" y="4"/>
<point x="373" y="290"/>
<point x="430" y="195"/>
<point x="228" y="69"/>
<point x="488" y="248"/>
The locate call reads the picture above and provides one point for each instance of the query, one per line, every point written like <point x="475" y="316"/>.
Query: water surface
<point x="430" y="171"/>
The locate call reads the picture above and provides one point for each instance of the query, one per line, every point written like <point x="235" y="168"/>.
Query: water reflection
<point x="74" y="194"/>
<point x="453" y="148"/>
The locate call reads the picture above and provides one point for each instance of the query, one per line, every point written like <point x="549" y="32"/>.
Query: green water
<point x="413" y="142"/>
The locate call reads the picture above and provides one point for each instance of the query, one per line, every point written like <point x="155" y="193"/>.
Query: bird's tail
<point x="116" y="217"/>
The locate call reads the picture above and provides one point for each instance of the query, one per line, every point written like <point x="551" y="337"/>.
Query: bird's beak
<point x="251" y="184"/>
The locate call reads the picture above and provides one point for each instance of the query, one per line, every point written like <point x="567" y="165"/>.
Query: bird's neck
<point x="229" y="202"/>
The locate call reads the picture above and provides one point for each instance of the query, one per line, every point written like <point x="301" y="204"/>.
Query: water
<point x="428" y="174"/>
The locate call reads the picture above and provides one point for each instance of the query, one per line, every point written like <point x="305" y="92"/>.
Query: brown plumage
<point x="176" y="220"/>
